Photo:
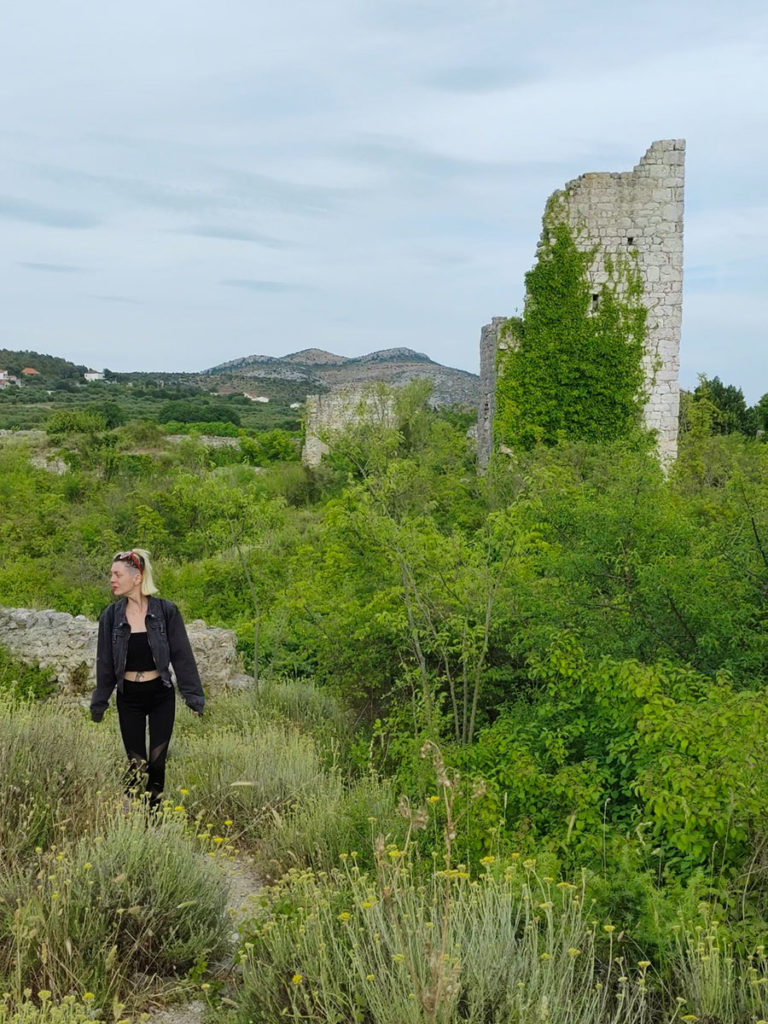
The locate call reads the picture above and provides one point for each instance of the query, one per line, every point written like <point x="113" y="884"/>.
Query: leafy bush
<point x="76" y="421"/>
<point x="619" y="743"/>
<point x="198" y="411"/>
<point x="18" y="679"/>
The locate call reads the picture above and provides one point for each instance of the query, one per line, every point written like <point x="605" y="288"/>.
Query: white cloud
<point x="385" y="165"/>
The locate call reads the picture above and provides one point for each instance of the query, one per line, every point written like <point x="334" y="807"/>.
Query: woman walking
<point x="140" y="637"/>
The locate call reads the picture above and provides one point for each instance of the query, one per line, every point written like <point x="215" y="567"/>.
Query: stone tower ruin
<point x="637" y="213"/>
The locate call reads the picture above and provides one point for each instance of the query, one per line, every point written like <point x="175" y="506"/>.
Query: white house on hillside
<point x="93" y="375"/>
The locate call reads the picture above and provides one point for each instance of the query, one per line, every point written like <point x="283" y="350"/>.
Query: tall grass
<point x="328" y="821"/>
<point x="109" y="913"/>
<point x="264" y="760"/>
<point x="716" y="983"/>
<point x="387" y="949"/>
<point x="250" y="774"/>
<point x="58" y="774"/>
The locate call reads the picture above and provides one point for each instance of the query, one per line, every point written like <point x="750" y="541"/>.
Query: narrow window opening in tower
<point x="595" y="301"/>
<point x="630" y="239"/>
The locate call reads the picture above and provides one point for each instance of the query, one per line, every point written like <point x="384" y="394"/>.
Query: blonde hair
<point x="147" y="580"/>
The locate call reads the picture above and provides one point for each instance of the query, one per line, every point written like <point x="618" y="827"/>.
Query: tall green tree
<point x="731" y="414"/>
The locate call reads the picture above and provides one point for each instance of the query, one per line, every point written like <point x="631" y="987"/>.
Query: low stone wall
<point x="67" y="644"/>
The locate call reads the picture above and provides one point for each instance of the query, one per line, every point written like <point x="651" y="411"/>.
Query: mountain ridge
<point x="288" y="378"/>
<point x="321" y="357"/>
<point x="317" y="370"/>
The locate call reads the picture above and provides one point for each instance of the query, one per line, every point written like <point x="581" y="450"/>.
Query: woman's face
<point x="124" y="579"/>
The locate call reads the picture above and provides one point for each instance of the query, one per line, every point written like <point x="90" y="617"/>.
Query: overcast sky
<point x="186" y="183"/>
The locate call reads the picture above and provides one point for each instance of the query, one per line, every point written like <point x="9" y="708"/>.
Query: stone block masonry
<point x="66" y="644"/>
<point x="636" y="214"/>
<point x="639" y="214"/>
<point x="331" y="414"/>
<point x="489" y="345"/>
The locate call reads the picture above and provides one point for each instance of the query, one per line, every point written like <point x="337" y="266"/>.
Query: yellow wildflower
<point x="297" y="979"/>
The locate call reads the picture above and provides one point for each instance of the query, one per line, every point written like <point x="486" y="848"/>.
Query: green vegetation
<point x="726" y="408"/>
<point x="495" y="720"/>
<point x="59" y="389"/>
<point x="20" y="680"/>
<point x="572" y="367"/>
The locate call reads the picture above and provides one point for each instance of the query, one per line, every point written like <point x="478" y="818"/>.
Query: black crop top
<point x="139" y="658"/>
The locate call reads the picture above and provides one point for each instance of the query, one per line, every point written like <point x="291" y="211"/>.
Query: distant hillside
<point x="285" y="380"/>
<point x="313" y="370"/>
<point x="52" y="368"/>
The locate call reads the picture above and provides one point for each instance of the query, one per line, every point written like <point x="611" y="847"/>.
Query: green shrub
<point x="110" y="912"/>
<point x="75" y="421"/>
<point x="18" y="679"/>
<point x="507" y="946"/>
<point x="43" y="1011"/>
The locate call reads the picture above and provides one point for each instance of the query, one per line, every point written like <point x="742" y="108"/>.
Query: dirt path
<point x="244" y="883"/>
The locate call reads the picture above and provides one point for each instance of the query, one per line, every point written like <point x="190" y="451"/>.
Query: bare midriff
<point x="141" y="677"/>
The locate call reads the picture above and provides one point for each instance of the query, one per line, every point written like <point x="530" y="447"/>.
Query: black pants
<point x="155" y="702"/>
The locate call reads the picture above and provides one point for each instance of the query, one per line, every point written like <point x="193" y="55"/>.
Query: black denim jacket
<point x="168" y="642"/>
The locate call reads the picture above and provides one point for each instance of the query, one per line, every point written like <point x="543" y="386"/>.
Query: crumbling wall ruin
<point x="489" y="346"/>
<point x="636" y="214"/>
<point x="66" y="644"/>
<point x="332" y="413"/>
